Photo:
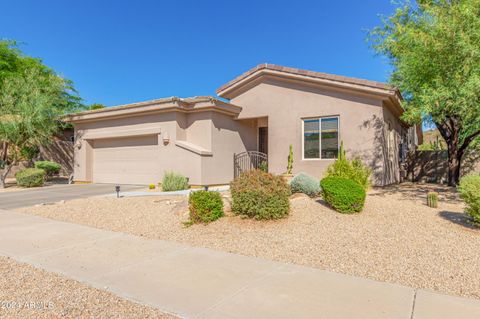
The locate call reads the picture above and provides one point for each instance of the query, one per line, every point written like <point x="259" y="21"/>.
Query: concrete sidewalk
<point x="202" y="283"/>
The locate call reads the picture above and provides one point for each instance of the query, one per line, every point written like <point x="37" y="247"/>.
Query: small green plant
<point x="342" y="194"/>
<point x="437" y="145"/>
<point x="30" y="177"/>
<point x="2" y="164"/>
<point x="263" y="166"/>
<point x="205" y="206"/>
<point x="260" y="195"/>
<point x="306" y="184"/>
<point x="151" y="186"/>
<point x="29" y="152"/>
<point x="174" y="182"/>
<point x="469" y="189"/>
<point x="350" y="169"/>
<point x="432" y="199"/>
<point x="96" y="106"/>
<point x="290" y="160"/>
<point x="50" y="168"/>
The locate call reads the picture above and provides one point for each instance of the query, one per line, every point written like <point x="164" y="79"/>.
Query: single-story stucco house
<point x="263" y="111"/>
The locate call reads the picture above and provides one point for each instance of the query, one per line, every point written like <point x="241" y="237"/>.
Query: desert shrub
<point x="263" y="166"/>
<point x="350" y="169"/>
<point x="205" y="206"/>
<point x="470" y="192"/>
<point x="174" y="182"/>
<point x="29" y="152"/>
<point x="306" y="184"/>
<point x="342" y="194"/>
<point x="50" y="168"/>
<point x="260" y="195"/>
<point x="30" y="177"/>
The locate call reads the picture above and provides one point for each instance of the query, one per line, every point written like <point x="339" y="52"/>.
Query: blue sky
<point x="119" y="52"/>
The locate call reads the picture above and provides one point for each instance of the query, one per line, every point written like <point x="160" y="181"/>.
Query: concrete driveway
<point x="56" y="193"/>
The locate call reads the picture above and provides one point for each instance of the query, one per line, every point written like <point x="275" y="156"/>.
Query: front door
<point x="263" y="139"/>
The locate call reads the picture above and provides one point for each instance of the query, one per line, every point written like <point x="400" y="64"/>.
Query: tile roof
<point x="158" y="104"/>
<point x="187" y="100"/>
<point x="312" y="74"/>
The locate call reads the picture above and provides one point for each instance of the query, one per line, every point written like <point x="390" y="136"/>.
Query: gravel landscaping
<point x="28" y="292"/>
<point x="397" y="238"/>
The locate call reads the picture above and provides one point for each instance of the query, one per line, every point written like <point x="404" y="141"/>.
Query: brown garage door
<point x="132" y="160"/>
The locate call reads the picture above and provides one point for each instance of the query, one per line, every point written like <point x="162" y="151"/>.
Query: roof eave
<point x="200" y="104"/>
<point x="231" y="91"/>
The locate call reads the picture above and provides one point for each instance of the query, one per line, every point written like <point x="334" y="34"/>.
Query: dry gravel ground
<point x="28" y="292"/>
<point x="10" y="185"/>
<point x="397" y="238"/>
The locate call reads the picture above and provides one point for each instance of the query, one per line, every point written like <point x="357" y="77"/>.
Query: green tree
<point x="434" y="48"/>
<point x="32" y="97"/>
<point x="95" y="106"/>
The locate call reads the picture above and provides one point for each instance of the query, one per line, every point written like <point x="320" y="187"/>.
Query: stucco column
<point x="83" y="161"/>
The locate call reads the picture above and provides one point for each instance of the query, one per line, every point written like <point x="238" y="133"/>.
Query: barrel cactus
<point x="432" y="199"/>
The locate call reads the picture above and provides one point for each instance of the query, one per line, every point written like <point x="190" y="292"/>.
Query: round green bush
<point x="50" y="168"/>
<point x="205" y="206"/>
<point x="30" y="177"/>
<point x="469" y="189"/>
<point x="260" y="195"/>
<point x="352" y="169"/>
<point x="306" y="184"/>
<point x="343" y="194"/>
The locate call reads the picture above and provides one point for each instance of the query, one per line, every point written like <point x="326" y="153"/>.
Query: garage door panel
<point x="131" y="160"/>
<point x="151" y="140"/>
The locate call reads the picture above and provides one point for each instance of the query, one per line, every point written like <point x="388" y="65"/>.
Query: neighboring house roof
<point x="234" y="87"/>
<point x="190" y="104"/>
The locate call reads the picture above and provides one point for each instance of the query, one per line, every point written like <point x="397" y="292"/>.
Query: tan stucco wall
<point x="286" y="104"/>
<point x="228" y="137"/>
<point x="391" y="167"/>
<point x="209" y="131"/>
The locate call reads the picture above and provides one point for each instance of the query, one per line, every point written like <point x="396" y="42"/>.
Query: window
<point x="320" y="138"/>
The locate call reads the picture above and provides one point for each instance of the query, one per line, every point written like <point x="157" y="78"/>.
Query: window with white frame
<point x="320" y="138"/>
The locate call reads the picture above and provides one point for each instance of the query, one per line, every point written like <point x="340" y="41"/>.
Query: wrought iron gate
<point x="246" y="161"/>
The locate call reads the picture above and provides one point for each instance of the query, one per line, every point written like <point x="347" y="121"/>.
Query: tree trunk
<point x="455" y="154"/>
<point x="4" y="151"/>
<point x="454" y="163"/>
<point x="449" y="129"/>
<point x="3" y="176"/>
